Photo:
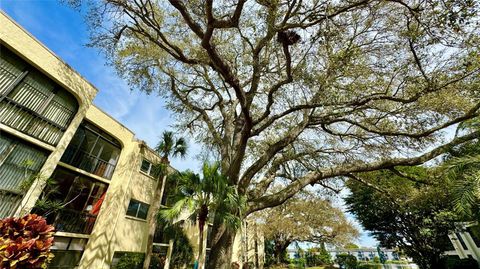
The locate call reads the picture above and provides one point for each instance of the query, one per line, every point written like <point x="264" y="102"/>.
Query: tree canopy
<point x="310" y="219"/>
<point x="295" y="92"/>
<point x="410" y="208"/>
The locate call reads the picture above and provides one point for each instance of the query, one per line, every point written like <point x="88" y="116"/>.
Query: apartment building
<point x="50" y="129"/>
<point x="55" y="145"/>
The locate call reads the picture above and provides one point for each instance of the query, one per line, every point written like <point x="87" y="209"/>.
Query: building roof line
<point x="2" y="12"/>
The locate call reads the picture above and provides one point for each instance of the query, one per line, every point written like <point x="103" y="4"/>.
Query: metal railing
<point x="73" y="221"/>
<point x="87" y="162"/>
<point x="9" y="202"/>
<point x="29" y="122"/>
<point x="160" y="236"/>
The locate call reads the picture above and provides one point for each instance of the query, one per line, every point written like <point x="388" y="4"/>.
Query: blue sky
<point x="63" y="31"/>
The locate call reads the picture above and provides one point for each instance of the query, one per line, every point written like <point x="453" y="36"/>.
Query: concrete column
<point x="169" y="254"/>
<point x="473" y="249"/>
<point x="457" y="245"/>
<point x="36" y="189"/>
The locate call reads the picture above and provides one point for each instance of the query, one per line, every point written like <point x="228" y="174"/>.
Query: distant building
<point x="362" y="254"/>
<point x="367" y="254"/>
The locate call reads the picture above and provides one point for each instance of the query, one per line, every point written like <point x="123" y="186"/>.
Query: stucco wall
<point x="104" y="240"/>
<point x="248" y="245"/>
<point x="35" y="53"/>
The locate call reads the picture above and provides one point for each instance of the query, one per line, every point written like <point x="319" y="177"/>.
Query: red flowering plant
<point x="25" y="242"/>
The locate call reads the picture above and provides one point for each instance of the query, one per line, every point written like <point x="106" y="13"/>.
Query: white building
<point x="366" y="254"/>
<point x="465" y="241"/>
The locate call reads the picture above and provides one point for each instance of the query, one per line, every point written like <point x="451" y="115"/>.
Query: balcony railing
<point x="73" y="221"/>
<point x="160" y="236"/>
<point x="87" y="162"/>
<point x="30" y="122"/>
<point x="9" y="202"/>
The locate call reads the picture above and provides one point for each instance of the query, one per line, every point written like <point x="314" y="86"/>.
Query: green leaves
<point x="415" y="208"/>
<point x="464" y="175"/>
<point x="171" y="146"/>
<point x="307" y="219"/>
<point x="467" y="193"/>
<point x="194" y="194"/>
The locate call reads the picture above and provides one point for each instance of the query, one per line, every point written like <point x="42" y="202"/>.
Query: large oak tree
<point x="300" y="92"/>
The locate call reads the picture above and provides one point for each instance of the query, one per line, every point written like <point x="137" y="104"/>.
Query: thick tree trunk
<point x="280" y="250"/>
<point x="221" y="250"/>
<point x="152" y="220"/>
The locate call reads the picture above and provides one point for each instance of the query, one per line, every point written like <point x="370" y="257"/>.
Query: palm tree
<point x="464" y="173"/>
<point x="169" y="146"/>
<point x="204" y="197"/>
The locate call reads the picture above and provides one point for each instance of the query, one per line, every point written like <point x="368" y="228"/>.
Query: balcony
<point x="32" y="103"/>
<point x="9" y="202"/>
<point x="93" y="151"/>
<point x="73" y="221"/>
<point x="160" y="236"/>
<point x="88" y="162"/>
<point x="19" y="117"/>
<point x="79" y="198"/>
<point x="19" y="162"/>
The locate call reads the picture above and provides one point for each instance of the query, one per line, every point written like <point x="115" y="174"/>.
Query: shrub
<point x="346" y="261"/>
<point x="369" y="266"/>
<point x="25" y="242"/>
<point x="453" y="262"/>
<point x="130" y="260"/>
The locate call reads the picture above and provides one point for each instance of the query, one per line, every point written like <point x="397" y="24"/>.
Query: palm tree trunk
<point x="152" y="220"/>
<point x="201" y="259"/>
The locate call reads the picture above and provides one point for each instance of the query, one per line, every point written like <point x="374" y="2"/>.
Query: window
<point x="65" y="259"/>
<point x="69" y="243"/>
<point x="82" y="197"/>
<point x="18" y="163"/>
<point x="146" y="166"/>
<point x="93" y="150"/>
<point x="137" y="209"/>
<point x="32" y="103"/>
<point x="150" y="169"/>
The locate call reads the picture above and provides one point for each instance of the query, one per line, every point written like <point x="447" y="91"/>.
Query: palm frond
<point x="179" y="207"/>
<point x="466" y="193"/>
<point x="180" y="148"/>
<point x="165" y="145"/>
<point x="210" y="190"/>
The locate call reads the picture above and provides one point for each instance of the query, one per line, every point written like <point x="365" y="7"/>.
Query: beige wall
<point x="109" y="224"/>
<point x="249" y="245"/>
<point x="114" y="230"/>
<point x="31" y="50"/>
